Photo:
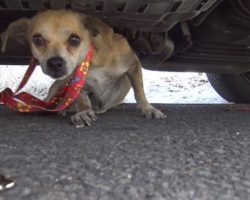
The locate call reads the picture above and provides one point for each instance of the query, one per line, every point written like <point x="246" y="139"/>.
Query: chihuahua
<point x="59" y="40"/>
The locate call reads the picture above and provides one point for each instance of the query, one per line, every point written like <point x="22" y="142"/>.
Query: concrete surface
<point x="199" y="152"/>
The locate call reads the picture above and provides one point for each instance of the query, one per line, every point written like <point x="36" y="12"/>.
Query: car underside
<point x="210" y="36"/>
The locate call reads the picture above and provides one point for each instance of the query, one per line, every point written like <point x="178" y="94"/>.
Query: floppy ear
<point x="18" y="30"/>
<point x="99" y="31"/>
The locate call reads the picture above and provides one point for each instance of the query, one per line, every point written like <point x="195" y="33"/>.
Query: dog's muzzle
<point x="56" y="67"/>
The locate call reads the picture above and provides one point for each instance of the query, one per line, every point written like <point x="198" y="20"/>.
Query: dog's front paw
<point x="84" y="118"/>
<point x="152" y="112"/>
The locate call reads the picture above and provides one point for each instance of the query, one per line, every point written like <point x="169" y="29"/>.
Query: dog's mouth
<point x="57" y="76"/>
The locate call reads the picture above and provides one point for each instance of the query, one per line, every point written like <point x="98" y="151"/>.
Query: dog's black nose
<point x="56" y="66"/>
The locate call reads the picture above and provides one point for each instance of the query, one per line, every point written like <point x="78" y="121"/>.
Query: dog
<point x="59" y="40"/>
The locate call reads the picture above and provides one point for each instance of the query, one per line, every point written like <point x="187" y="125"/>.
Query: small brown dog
<point x="59" y="40"/>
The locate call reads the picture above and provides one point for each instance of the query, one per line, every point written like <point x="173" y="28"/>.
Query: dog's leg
<point x="85" y="116"/>
<point x="135" y="76"/>
<point x="55" y="87"/>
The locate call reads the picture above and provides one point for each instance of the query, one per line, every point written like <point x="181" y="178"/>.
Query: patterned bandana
<point x="25" y="102"/>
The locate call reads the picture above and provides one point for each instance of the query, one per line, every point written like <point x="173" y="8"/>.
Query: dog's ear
<point x="98" y="30"/>
<point x="17" y="30"/>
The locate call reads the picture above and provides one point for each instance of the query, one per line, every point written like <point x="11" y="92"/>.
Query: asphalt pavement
<point x="200" y="152"/>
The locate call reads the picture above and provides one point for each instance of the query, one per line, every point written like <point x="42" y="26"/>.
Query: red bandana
<point x="25" y="102"/>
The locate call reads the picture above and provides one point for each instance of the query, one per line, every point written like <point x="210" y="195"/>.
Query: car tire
<point x="233" y="88"/>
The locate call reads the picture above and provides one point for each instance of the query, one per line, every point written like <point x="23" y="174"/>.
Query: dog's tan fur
<point x="114" y="69"/>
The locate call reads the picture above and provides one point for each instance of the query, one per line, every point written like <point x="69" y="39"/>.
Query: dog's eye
<point x="38" y="40"/>
<point x="74" y="40"/>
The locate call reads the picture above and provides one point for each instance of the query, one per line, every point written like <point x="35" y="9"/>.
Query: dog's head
<point x="59" y="39"/>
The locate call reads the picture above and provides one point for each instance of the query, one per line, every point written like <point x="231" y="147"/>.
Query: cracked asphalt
<point x="200" y="152"/>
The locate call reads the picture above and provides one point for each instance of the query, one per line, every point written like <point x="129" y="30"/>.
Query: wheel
<point x="233" y="88"/>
